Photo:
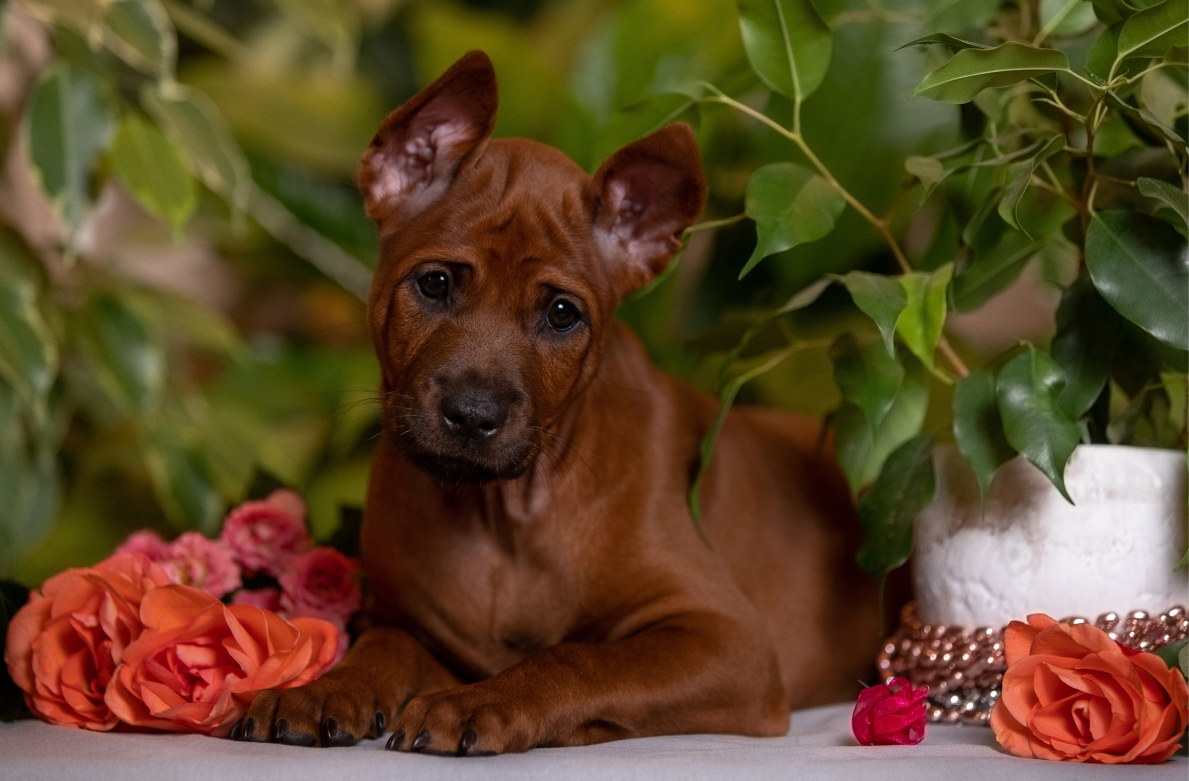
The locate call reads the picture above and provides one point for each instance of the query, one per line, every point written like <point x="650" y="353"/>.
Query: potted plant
<point x="1074" y="120"/>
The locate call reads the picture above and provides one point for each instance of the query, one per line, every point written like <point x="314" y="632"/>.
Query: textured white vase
<point x="1028" y="550"/>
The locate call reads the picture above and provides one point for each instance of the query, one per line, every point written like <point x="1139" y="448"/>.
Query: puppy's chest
<point x="489" y="607"/>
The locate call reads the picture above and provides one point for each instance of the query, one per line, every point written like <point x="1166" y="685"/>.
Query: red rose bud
<point x="890" y="714"/>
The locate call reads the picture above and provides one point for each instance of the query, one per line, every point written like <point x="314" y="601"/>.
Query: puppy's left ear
<point x="417" y="151"/>
<point x="644" y="196"/>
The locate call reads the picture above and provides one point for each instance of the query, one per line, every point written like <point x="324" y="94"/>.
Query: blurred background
<point x="183" y="250"/>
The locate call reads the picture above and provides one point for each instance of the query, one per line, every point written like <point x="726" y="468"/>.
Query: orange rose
<point x="1071" y="692"/>
<point x="199" y="663"/>
<point x="65" y="643"/>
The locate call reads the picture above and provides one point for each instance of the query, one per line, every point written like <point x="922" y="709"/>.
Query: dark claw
<point x="421" y="741"/>
<point x="331" y="736"/>
<point x="468" y="740"/>
<point x="397" y="738"/>
<point x="381" y="722"/>
<point x="249" y="732"/>
<point x="280" y="729"/>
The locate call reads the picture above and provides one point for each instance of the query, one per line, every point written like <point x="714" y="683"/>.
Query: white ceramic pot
<point x="1031" y="551"/>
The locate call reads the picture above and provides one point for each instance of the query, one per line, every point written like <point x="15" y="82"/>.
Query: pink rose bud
<point x="193" y="560"/>
<point x="890" y="714"/>
<point x="145" y="542"/>
<point x="321" y="584"/>
<point x="264" y="535"/>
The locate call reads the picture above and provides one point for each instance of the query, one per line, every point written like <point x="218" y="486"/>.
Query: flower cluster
<point x="144" y="638"/>
<point x="265" y="541"/>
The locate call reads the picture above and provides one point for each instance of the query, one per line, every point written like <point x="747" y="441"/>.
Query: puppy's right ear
<point x="417" y="150"/>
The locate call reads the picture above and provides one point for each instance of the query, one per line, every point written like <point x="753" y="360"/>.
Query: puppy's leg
<point x="360" y="697"/>
<point x="692" y="673"/>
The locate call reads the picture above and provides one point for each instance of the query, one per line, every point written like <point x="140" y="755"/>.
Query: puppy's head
<point x="501" y="264"/>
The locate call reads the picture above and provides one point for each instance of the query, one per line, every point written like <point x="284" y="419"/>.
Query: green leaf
<point x="978" y="427"/>
<point x="1140" y="266"/>
<point x="867" y="375"/>
<point x="153" y="170"/>
<point x="788" y="44"/>
<point x="83" y="15"/>
<point x="862" y="452"/>
<point x="1153" y="31"/>
<point x="888" y="512"/>
<point x="134" y="364"/>
<point x="1019" y="175"/>
<point x="946" y="39"/>
<point x="28" y="352"/>
<point x="67" y="124"/>
<point x="139" y="33"/>
<point x="1103" y="52"/>
<point x="970" y="71"/>
<point x="923" y="317"/>
<point x="1171" y="654"/>
<point x="1087" y="337"/>
<point x="791" y="205"/>
<point x="985" y="274"/>
<point x="194" y="123"/>
<point x="1035" y="425"/>
<point x="879" y="297"/>
<point x="637" y="121"/>
<point x="1174" y="197"/>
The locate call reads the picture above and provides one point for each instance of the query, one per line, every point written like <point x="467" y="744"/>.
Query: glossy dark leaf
<point x="867" y="375"/>
<point x="28" y="351"/>
<point x="1140" y="266"/>
<point x="1027" y="390"/>
<point x="182" y="483"/>
<point x="1087" y="338"/>
<point x="888" y="512"/>
<point x="978" y="427"/>
<point x="1019" y="177"/>
<point x="1104" y="51"/>
<point x="139" y="33"/>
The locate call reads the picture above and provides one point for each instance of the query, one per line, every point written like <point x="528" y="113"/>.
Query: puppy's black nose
<point x="474" y="413"/>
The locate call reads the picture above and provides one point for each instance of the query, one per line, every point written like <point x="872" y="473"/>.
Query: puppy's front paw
<point x="467" y="721"/>
<point x="331" y="711"/>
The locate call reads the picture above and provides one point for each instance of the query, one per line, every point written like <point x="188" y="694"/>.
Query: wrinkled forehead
<point x="520" y="209"/>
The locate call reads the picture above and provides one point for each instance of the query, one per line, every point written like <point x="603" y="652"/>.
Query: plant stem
<point x="880" y="225"/>
<point x="712" y="224"/>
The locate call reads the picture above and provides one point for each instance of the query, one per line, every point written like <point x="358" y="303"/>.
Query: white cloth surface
<point x="819" y="746"/>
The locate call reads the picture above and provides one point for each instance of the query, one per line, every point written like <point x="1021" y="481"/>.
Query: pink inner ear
<point x="649" y="204"/>
<point x="425" y="149"/>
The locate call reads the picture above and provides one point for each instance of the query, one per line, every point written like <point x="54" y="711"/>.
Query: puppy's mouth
<point x="436" y="452"/>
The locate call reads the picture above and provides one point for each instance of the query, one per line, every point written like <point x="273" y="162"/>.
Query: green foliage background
<point x="889" y="235"/>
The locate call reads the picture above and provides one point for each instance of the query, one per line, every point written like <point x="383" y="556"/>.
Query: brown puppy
<point x="537" y="579"/>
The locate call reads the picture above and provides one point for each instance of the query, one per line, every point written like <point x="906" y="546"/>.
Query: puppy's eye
<point x="562" y="315"/>
<point x="434" y="284"/>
